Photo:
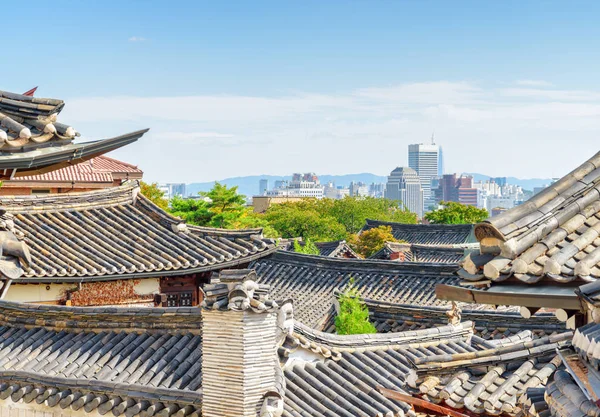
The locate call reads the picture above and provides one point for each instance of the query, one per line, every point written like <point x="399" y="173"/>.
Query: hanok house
<point x="106" y="247"/>
<point x="400" y="296"/>
<point x="538" y="254"/>
<point x="244" y="354"/>
<point x="97" y="173"/>
<point x="114" y="246"/>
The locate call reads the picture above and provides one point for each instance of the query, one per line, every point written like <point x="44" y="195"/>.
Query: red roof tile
<point x="99" y="169"/>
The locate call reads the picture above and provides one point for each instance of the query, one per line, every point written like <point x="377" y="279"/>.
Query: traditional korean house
<point x="114" y="246"/>
<point x="111" y="246"/>
<point x="538" y="254"/>
<point x="399" y="296"/>
<point x="97" y="173"/>
<point x="244" y="354"/>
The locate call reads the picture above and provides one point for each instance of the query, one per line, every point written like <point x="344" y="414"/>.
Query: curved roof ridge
<point x="350" y="343"/>
<point x="180" y="319"/>
<point x="68" y="201"/>
<point x="425" y="227"/>
<point x="364" y="264"/>
<point x="215" y="231"/>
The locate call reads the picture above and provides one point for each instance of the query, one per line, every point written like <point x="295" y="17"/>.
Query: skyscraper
<point x="404" y="185"/>
<point x="263" y="186"/>
<point x="425" y="160"/>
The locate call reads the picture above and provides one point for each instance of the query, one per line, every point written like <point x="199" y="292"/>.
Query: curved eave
<point x="150" y="274"/>
<point x="47" y="159"/>
<point x="547" y="296"/>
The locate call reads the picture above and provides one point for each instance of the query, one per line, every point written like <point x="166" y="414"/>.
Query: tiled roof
<point x="33" y="142"/>
<point x="118" y="233"/>
<point x="313" y="281"/>
<point x="574" y="390"/>
<point x="556" y="234"/>
<point x="420" y="253"/>
<point x="444" y="365"/>
<point x="104" y="163"/>
<point x="27" y="120"/>
<point x="154" y="361"/>
<point x="122" y="360"/>
<point x="490" y="381"/>
<point x="390" y="317"/>
<point x="96" y="170"/>
<point x="449" y="235"/>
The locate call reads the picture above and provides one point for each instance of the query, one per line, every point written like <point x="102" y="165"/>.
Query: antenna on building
<point x="433" y="137"/>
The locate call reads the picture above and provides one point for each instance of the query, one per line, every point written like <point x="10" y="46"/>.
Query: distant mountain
<point x="526" y="184"/>
<point x="249" y="185"/>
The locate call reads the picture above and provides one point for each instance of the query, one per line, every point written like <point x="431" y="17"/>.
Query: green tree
<point x="352" y="212"/>
<point x="192" y="211"/>
<point x="308" y="248"/>
<point x="154" y="194"/>
<point x="250" y="220"/>
<point x="353" y="316"/>
<point x="226" y="205"/>
<point x="456" y="213"/>
<point x="302" y="219"/>
<point x="372" y="240"/>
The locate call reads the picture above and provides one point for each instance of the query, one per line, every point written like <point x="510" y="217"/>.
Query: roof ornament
<point x="13" y="251"/>
<point x="454" y="314"/>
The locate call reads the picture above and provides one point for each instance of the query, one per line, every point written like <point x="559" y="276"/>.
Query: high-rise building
<point x="425" y="160"/>
<point x="459" y="189"/>
<point x="263" y="186"/>
<point x="404" y="185"/>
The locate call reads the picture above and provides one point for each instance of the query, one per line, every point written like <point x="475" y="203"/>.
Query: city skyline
<point x="375" y="77"/>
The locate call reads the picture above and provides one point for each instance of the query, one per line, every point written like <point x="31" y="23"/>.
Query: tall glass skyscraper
<point x="404" y="185"/>
<point x="425" y="160"/>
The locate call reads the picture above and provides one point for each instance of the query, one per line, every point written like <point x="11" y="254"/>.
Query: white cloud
<point x="534" y="83"/>
<point x="137" y="39"/>
<point x="197" y="138"/>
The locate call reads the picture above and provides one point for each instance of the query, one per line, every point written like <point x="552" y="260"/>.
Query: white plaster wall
<point x="35" y="293"/>
<point x="147" y="286"/>
<point x="48" y="293"/>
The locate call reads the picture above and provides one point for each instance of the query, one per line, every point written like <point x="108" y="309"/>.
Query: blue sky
<point x="241" y="88"/>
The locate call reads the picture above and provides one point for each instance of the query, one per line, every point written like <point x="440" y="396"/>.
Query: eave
<point x="547" y="296"/>
<point x="46" y="159"/>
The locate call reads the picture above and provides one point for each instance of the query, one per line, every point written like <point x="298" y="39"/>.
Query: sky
<point x="230" y="88"/>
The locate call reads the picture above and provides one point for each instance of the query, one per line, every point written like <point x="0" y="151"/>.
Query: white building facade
<point x="425" y="160"/>
<point x="404" y="185"/>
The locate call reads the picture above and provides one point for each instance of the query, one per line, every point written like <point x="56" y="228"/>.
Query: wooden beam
<point x="395" y="395"/>
<point x="517" y="298"/>
<point x="528" y="312"/>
